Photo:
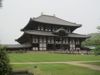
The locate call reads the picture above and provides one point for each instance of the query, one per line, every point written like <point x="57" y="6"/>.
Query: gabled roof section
<point x="54" y="20"/>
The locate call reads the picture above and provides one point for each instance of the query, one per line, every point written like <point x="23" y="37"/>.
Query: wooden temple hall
<point x="51" y="33"/>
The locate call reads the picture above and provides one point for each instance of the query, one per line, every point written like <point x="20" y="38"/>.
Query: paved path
<point x="76" y="63"/>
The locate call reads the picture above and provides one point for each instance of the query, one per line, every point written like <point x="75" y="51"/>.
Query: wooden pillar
<point x="38" y="43"/>
<point x="54" y="43"/>
<point x="61" y="39"/>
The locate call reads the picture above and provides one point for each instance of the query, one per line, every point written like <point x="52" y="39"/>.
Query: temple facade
<point x="51" y="33"/>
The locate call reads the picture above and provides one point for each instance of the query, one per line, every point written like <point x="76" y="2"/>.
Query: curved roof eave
<point x="23" y="38"/>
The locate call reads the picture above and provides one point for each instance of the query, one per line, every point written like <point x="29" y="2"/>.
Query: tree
<point x="97" y="50"/>
<point x="98" y="27"/>
<point x="94" y="39"/>
<point x="0" y="3"/>
<point x="5" y="68"/>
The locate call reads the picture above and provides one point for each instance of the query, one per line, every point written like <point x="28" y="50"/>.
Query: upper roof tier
<point x="54" y="20"/>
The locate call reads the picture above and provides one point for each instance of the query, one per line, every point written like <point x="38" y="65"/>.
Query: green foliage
<point x="5" y="68"/>
<point x="97" y="50"/>
<point x="98" y="27"/>
<point x="93" y="40"/>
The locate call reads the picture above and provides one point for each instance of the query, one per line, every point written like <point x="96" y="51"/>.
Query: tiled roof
<point x="17" y="45"/>
<point x="33" y="32"/>
<point x="54" y="20"/>
<point x="78" y="35"/>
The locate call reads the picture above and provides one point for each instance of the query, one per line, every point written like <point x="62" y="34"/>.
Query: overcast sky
<point x="15" y="14"/>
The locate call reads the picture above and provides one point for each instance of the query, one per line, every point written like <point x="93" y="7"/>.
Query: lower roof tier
<point x="42" y="33"/>
<point x="17" y="46"/>
<point x="27" y="35"/>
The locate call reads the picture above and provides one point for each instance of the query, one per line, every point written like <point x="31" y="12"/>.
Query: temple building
<point x="51" y="33"/>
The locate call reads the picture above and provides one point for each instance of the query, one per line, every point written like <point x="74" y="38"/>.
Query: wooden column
<point x="38" y="43"/>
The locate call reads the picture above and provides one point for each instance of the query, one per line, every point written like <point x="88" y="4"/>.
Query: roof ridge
<point x="46" y="15"/>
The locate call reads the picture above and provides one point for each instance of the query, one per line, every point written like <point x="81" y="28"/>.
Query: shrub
<point x="97" y="50"/>
<point x="5" y="68"/>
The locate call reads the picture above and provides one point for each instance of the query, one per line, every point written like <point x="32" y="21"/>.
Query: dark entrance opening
<point x="35" y="44"/>
<point x="62" y="47"/>
<point x="50" y="46"/>
<point x="58" y="46"/>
